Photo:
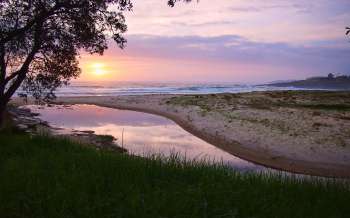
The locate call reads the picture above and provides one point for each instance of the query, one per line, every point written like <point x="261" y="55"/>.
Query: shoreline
<point x="215" y="130"/>
<point x="253" y="156"/>
<point x="24" y="120"/>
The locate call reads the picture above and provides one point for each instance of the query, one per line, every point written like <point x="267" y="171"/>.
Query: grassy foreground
<point x="46" y="177"/>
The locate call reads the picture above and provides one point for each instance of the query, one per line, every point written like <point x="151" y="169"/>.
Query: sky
<point x="236" y="41"/>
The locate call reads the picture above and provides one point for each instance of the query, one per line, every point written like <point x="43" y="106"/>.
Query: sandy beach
<point x="297" y="131"/>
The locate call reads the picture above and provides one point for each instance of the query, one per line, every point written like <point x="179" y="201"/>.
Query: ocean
<point x="144" y="88"/>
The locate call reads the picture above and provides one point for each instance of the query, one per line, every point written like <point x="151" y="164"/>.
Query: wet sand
<point x="297" y="131"/>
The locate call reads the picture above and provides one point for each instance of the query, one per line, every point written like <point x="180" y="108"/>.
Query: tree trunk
<point x="2" y="115"/>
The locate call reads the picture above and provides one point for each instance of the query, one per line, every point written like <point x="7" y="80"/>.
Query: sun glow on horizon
<point x="98" y="69"/>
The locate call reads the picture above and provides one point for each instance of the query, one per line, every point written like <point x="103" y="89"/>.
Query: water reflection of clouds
<point x="143" y="133"/>
<point x="91" y="116"/>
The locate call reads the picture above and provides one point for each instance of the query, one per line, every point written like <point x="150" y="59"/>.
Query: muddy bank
<point x="23" y="120"/>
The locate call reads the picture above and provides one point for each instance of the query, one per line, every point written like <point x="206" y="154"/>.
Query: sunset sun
<point x="98" y="69"/>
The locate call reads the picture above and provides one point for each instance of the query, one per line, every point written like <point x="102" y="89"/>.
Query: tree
<point x="40" y="41"/>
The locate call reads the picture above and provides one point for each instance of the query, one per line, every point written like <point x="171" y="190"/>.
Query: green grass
<point x="46" y="177"/>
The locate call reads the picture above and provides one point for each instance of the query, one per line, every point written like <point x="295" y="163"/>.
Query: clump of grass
<point x="105" y="138"/>
<point x="48" y="177"/>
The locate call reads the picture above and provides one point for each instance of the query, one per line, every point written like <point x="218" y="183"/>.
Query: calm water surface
<point x="142" y="133"/>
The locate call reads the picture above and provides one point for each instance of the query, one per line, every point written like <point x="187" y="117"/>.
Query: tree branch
<point x="10" y="77"/>
<point x="2" y="70"/>
<point x="22" y="72"/>
<point x="41" y="16"/>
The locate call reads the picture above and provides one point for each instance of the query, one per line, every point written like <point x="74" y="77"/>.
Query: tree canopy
<point x="41" y="40"/>
<point x="171" y="3"/>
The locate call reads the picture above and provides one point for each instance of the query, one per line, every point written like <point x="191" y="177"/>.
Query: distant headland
<point x="330" y="82"/>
